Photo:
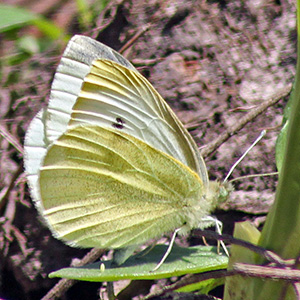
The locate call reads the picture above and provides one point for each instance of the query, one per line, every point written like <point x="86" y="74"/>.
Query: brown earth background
<point x="213" y="62"/>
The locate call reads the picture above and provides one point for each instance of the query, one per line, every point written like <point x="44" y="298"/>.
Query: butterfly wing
<point x="104" y="188"/>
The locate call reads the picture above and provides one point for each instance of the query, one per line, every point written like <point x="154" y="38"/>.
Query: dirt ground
<point x="212" y="61"/>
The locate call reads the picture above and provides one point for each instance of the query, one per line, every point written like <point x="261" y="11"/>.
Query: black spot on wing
<point x="119" y="123"/>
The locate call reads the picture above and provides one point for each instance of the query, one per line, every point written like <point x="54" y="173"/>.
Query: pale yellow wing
<point x="115" y="96"/>
<point x="103" y="188"/>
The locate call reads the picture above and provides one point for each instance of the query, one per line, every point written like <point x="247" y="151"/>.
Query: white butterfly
<point x="108" y="163"/>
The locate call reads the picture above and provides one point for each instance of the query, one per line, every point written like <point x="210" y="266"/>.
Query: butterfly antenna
<point x="246" y="152"/>
<point x="254" y="176"/>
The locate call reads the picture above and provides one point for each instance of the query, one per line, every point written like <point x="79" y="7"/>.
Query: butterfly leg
<point x="168" y="250"/>
<point x="210" y="220"/>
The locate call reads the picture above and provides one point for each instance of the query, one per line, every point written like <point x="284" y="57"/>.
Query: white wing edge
<point x="35" y="148"/>
<point x="88" y="49"/>
<point x="75" y="64"/>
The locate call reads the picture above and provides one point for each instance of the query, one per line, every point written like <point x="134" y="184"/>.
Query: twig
<point x="230" y="131"/>
<point x="64" y="284"/>
<point x="4" y="193"/>
<point x="134" y="38"/>
<point x="266" y="272"/>
<point x="11" y="139"/>
<point x="268" y="255"/>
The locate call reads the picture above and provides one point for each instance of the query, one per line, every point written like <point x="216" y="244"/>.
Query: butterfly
<point x="109" y="165"/>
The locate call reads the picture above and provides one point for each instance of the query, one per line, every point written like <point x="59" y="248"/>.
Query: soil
<point x="212" y="61"/>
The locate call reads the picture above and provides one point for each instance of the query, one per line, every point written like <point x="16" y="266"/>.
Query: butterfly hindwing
<point x="104" y="188"/>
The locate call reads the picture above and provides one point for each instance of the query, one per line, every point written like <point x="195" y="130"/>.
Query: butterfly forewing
<point x="104" y="188"/>
<point x="115" y="96"/>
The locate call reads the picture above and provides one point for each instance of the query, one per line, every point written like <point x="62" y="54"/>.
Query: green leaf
<point x="236" y="287"/>
<point x="181" y="261"/>
<point x="282" y="137"/>
<point x="280" y="146"/>
<point x="13" y="17"/>
<point x="281" y="232"/>
<point x="50" y="29"/>
<point x="203" y="287"/>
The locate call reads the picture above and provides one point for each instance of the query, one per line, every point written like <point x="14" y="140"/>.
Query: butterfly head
<point x="219" y="192"/>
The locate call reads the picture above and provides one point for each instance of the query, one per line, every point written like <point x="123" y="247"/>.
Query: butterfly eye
<point x="120" y="123"/>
